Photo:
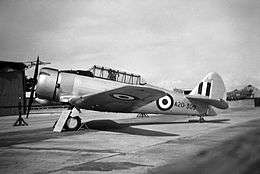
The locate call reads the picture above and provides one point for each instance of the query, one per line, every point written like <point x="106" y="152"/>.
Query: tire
<point x="201" y="120"/>
<point x="72" y="123"/>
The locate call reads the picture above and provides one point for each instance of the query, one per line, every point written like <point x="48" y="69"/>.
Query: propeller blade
<point x="33" y="86"/>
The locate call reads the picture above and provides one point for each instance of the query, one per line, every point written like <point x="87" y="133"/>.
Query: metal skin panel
<point x="72" y="86"/>
<point x="181" y="105"/>
<point x="46" y="85"/>
<point x="66" y="83"/>
<point x="123" y="99"/>
<point x="217" y="88"/>
<point x="112" y="96"/>
<point x="76" y="85"/>
<point x="89" y="85"/>
<point x="86" y="86"/>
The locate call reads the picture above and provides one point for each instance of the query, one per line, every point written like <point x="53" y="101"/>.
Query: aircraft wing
<point x="218" y="103"/>
<point x="123" y="99"/>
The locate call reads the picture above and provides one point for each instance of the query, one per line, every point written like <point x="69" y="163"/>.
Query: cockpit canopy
<point x="116" y="75"/>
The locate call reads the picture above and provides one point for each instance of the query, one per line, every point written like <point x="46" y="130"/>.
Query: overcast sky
<point x="172" y="43"/>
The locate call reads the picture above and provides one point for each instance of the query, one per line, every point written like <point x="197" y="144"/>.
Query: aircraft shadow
<point x="112" y="126"/>
<point x="176" y="122"/>
<point x="31" y="136"/>
<point x="210" y="121"/>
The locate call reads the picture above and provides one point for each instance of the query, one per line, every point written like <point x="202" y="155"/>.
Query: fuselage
<point x="62" y="86"/>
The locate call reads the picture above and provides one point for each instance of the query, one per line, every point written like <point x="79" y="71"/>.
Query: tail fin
<point x="211" y="91"/>
<point x="212" y="86"/>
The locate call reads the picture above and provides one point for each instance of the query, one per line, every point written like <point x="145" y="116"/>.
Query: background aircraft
<point x="107" y="90"/>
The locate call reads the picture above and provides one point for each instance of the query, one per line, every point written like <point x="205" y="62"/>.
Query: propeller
<point x="33" y="86"/>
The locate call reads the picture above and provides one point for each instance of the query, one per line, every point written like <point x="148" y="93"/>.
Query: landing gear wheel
<point x="72" y="123"/>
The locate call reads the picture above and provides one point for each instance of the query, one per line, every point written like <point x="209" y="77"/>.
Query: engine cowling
<point x="47" y="87"/>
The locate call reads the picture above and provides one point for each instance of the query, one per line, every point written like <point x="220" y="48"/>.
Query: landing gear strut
<point x="201" y="119"/>
<point x="141" y="115"/>
<point x="69" y="120"/>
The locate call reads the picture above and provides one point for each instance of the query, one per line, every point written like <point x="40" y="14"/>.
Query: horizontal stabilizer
<point x="218" y="103"/>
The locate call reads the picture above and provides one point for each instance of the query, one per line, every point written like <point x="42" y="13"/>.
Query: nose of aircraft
<point x="47" y="84"/>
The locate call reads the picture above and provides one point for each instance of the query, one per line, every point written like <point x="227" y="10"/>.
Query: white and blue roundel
<point x="165" y="103"/>
<point x="123" y="97"/>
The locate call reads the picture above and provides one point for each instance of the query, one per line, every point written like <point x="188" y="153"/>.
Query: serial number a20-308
<point x="182" y="104"/>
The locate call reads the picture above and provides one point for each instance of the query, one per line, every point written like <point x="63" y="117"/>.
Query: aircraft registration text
<point x="182" y="104"/>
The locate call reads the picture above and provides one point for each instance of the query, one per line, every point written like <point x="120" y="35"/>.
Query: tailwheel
<point x="72" y="123"/>
<point x="201" y="119"/>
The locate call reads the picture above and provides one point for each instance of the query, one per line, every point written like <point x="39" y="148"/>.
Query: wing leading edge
<point x="123" y="99"/>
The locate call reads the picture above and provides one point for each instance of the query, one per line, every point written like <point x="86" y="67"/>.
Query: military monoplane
<point x="109" y="90"/>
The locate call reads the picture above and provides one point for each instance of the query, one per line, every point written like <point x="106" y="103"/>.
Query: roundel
<point x="165" y="103"/>
<point x="123" y="97"/>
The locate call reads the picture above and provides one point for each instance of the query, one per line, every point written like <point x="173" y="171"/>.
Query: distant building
<point x="12" y="86"/>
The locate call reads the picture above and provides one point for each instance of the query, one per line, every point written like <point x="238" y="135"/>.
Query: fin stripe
<point x="200" y="88"/>
<point x="208" y="89"/>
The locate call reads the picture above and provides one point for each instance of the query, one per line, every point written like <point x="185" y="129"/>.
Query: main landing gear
<point x="72" y="123"/>
<point x="69" y="120"/>
<point x="142" y="115"/>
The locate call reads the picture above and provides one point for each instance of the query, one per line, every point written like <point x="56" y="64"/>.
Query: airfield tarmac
<point x="122" y="143"/>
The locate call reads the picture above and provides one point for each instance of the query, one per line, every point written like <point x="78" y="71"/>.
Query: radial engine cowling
<point x="46" y="87"/>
